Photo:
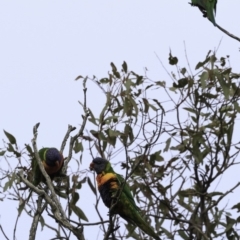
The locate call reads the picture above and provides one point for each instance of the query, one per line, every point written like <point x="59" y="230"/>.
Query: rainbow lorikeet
<point x="207" y="7"/>
<point x="52" y="161"/>
<point x="109" y="186"/>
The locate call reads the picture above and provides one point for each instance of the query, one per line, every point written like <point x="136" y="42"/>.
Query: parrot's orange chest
<point x="103" y="178"/>
<point x="52" y="169"/>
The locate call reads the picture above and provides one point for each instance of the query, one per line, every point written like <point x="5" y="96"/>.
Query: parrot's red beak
<point x="91" y="166"/>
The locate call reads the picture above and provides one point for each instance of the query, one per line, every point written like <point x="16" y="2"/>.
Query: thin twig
<point x="15" y="227"/>
<point x="36" y="217"/>
<point x="3" y="232"/>
<point x="80" y="132"/>
<point x="89" y="224"/>
<point x="228" y="33"/>
<point x="70" y="129"/>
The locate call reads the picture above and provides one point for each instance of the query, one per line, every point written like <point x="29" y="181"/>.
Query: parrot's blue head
<point x="52" y="156"/>
<point x="98" y="165"/>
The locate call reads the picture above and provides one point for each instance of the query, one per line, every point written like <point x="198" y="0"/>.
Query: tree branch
<point x="3" y="232"/>
<point x="36" y="217"/>
<point x="61" y="218"/>
<point x="80" y="132"/>
<point x="228" y="33"/>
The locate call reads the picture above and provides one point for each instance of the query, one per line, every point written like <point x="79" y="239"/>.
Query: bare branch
<point x="58" y="214"/>
<point x="3" y="232"/>
<point x="70" y="129"/>
<point x="36" y="217"/>
<point x="80" y="132"/>
<point x="228" y="33"/>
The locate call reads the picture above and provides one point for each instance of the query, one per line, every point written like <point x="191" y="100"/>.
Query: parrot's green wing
<point x="207" y="7"/>
<point x="128" y="210"/>
<point x="37" y="175"/>
<point x="126" y="191"/>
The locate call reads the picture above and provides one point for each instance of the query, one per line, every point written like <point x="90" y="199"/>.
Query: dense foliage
<point x="174" y="141"/>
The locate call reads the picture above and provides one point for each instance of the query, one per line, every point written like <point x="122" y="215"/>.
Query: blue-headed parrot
<point x="52" y="161"/>
<point x="109" y="185"/>
<point x="207" y="7"/>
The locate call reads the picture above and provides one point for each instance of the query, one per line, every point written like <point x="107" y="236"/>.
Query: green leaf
<point x="156" y="157"/>
<point x="181" y="83"/>
<point x="214" y="194"/>
<point x="149" y="86"/>
<point x="104" y="145"/>
<point x="114" y="70"/>
<point x="6" y="186"/>
<point x="237" y="206"/>
<point x="78" y="147"/>
<point x="201" y="64"/>
<point x="204" y="76"/>
<point x="194" y="119"/>
<point x="183" y="71"/>
<point x="9" y="183"/>
<point x="227" y="71"/>
<point x="21" y="206"/>
<point x="95" y="133"/>
<point x="111" y="119"/>
<point x="105" y="108"/>
<point x="10" y="137"/>
<point x="167" y="145"/>
<point x="183" y="235"/>
<point x="134" y="106"/>
<point x="92" y="187"/>
<point x="161" y="83"/>
<point x="169" y="234"/>
<point x="188" y="192"/>
<point x="78" y="211"/>
<point x="91" y="117"/>
<point x="191" y="110"/>
<point x="124" y="66"/>
<point x="159" y="104"/>
<point x="129" y="132"/>
<point x="127" y="107"/>
<point x="104" y="80"/>
<point x="78" y="77"/>
<point x="146" y="105"/>
<point x="139" y="79"/>
<point x="10" y="148"/>
<point x="42" y="222"/>
<point x="236" y="106"/>
<point x="153" y="107"/>
<point x="229" y="134"/>
<point x="2" y="153"/>
<point x="29" y="149"/>
<point x="75" y="198"/>
<point x="225" y="86"/>
<point x="113" y="133"/>
<point x="131" y="232"/>
<point x="172" y="60"/>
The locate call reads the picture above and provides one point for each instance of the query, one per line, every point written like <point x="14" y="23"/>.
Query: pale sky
<point x="45" y="45"/>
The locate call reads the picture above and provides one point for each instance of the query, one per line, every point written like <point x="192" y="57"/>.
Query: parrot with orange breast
<point x="117" y="196"/>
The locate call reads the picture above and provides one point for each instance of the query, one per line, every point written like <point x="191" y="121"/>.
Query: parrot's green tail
<point x="144" y="226"/>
